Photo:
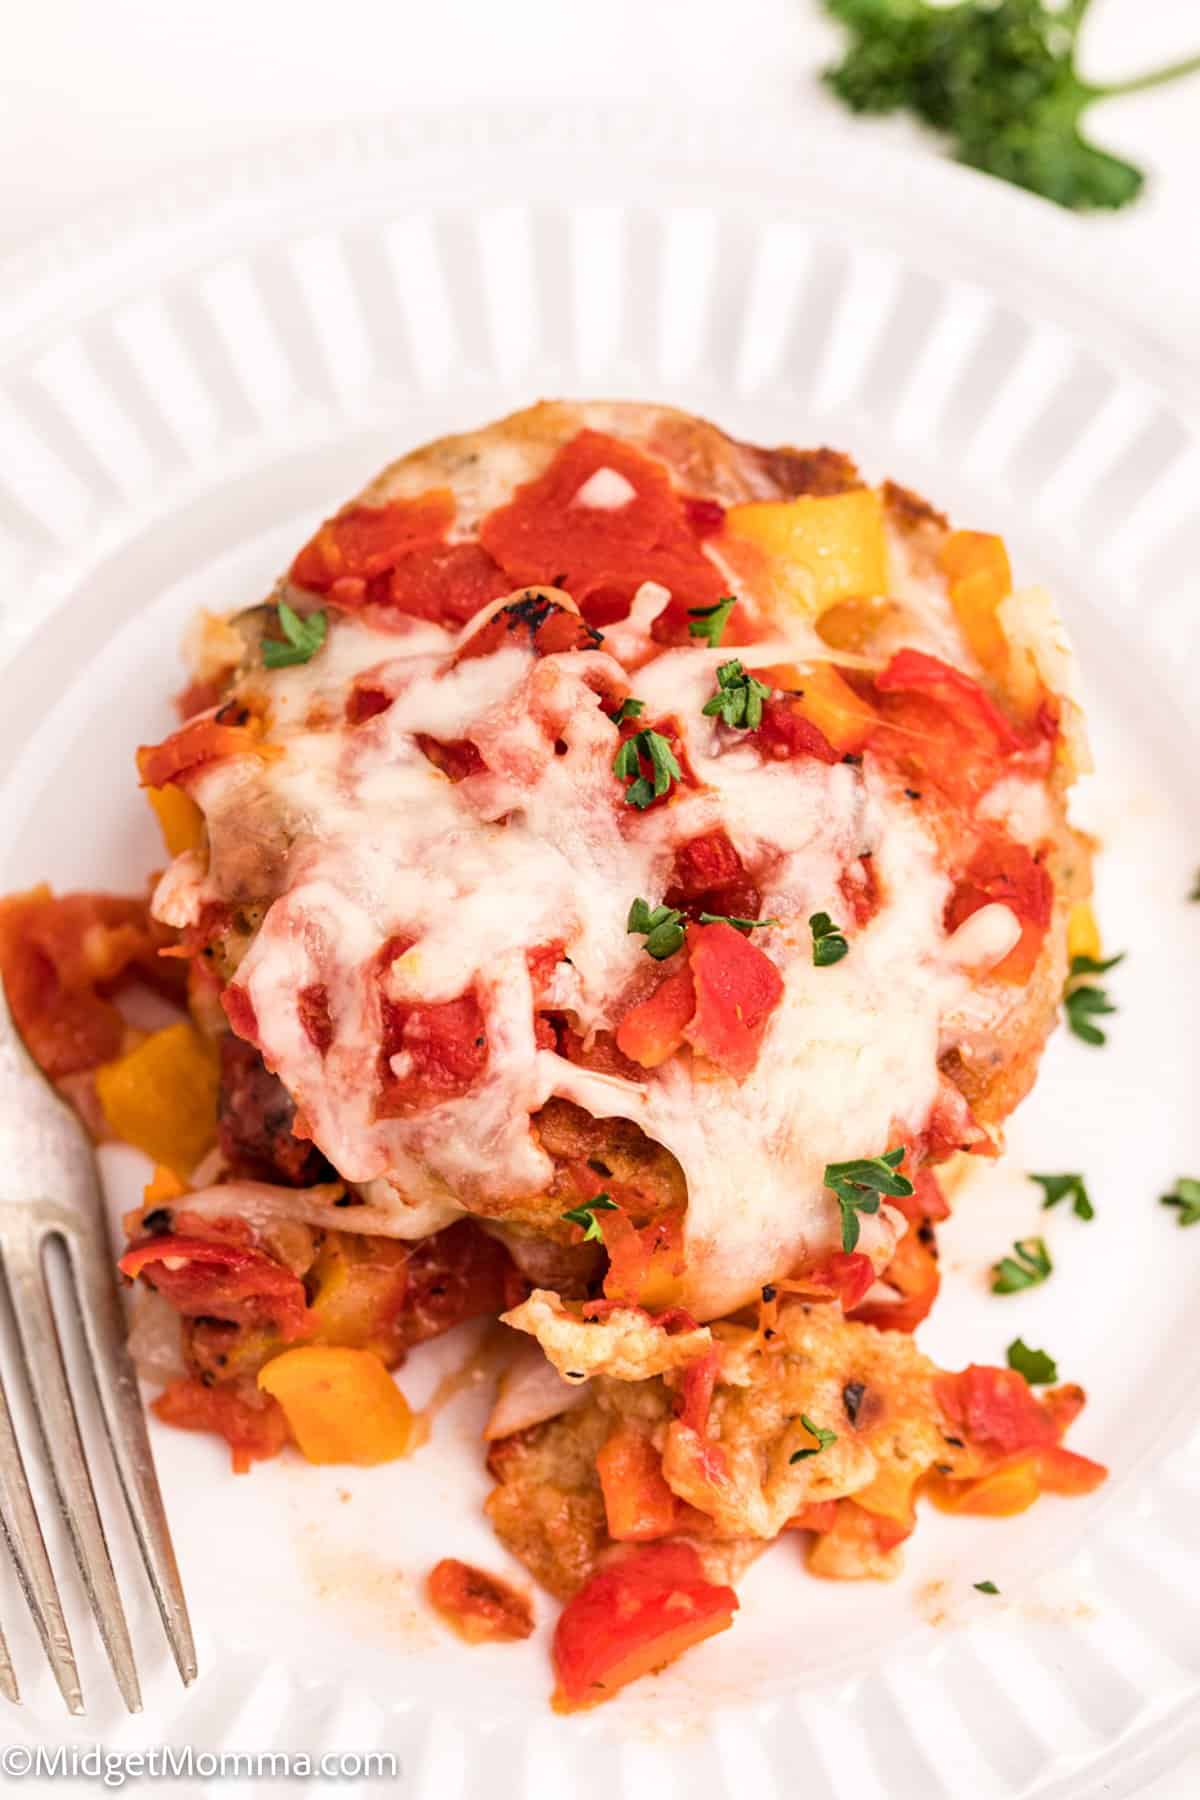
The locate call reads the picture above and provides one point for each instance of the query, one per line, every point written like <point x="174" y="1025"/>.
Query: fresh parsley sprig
<point x="709" y="622"/>
<point x="628" y="709"/>
<point x="302" y="638"/>
<point x="641" y="790"/>
<point x="1083" y="1001"/>
<point x="662" y="925"/>
<point x="829" y="946"/>
<point x="1066" y="1187"/>
<point x="745" y="926"/>
<point x="1027" y="1267"/>
<point x="998" y="79"/>
<point x="824" y="1439"/>
<point x="1034" y="1365"/>
<point x="1186" y="1196"/>
<point x="858" y="1185"/>
<point x="585" y="1216"/>
<point x="738" y="701"/>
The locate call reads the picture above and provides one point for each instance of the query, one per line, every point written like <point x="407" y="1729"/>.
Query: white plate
<point x="179" y="400"/>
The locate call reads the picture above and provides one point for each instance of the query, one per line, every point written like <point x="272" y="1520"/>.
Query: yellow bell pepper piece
<point x="823" y="548"/>
<point x="179" y="818"/>
<point x="852" y="624"/>
<point x="342" y="1406"/>
<point x="162" y="1097"/>
<point x="979" y="576"/>
<point x="1083" y="933"/>
<point x="164" y="1184"/>
<point x="827" y="699"/>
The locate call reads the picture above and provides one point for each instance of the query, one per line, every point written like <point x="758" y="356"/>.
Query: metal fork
<point x="50" y="1192"/>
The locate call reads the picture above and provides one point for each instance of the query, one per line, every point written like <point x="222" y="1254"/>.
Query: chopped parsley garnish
<point x="745" y="926"/>
<point x="710" y="621"/>
<point x="1027" y="1267"/>
<point x="628" y="709"/>
<point x="829" y="946"/>
<point x="1066" y="1187"/>
<point x="985" y="1587"/>
<point x="1084" y="1002"/>
<point x="627" y="766"/>
<point x="585" y="1216"/>
<point x="824" y="1439"/>
<point x="302" y="638"/>
<point x="1186" y="1196"/>
<point x="1034" y="1365"/>
<point x="1195" y="893"/>
<point x="858" y="1185"/>
<point x="739" y="698"/>
<point x="662" y="925"/>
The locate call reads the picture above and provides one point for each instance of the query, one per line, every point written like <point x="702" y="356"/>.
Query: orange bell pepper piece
<point x="637" y="1501"/>
<point x="1011" y="1487"/>
<point x="977" y="570"/>
<point x="827" y="700"/>
<point x="341" y="1405"/>
<point x="822" y="548"/>
<point x="179" y="818"/>
<point x="162" y="1097"/>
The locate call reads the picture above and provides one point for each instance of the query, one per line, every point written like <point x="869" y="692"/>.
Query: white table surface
<point x="97" y="99"/>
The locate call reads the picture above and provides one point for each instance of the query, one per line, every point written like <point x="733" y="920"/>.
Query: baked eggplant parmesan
<point x="611" y="873"/>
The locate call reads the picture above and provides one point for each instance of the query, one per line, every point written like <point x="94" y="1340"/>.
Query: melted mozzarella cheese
<point x="607" y="491"/>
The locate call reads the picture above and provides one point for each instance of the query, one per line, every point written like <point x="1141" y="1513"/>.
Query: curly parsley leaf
<point x="739" y="698"/>
<point x="1186" y="1196"/>
<point x="1034" y="1365"/>
<point x="302" y="638"/>
<point x="1066" y="1187"/>
<point x="628" y="709"/>
<point x="1027" y="1267"/>
<point x="824" y="1439"/>
<point x="985" y="1587"/>
<point x="998" y="79"/>
<point x="709" y="622"/>
<point x="585" y="1216"/>
<point x="745" y="926"/>
<point x="858" y="1184"/>
<point x="641" y="789"/>
<point x="829" y="946"/>
<point x="662" y="926"/>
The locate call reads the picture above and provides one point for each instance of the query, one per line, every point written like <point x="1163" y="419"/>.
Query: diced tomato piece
<point x="206" y="1279"/>
<point x="365" y="703"/>
<point x="62" y="957"/>
<point x="704" y="863"/>
<point x="995" y="1408"/>
<point x="645" y="1264"/>
<point x="634" y="1616"/>
<point x="254" y="1432"/>
<point x="443" y="1047"/>
<point x="843" y="1275"/>
<point x="637" y="1501"/>
<point x="786" y="733"/>
<point x="737" y="989"/>
<point x="696" y="1392"/>
<point x="480" y="1607"/>
<point x="654" y="1028"/>
<point x="913" y="1273"/>
<point x="818" y="1515"/>
<point x="532" y="623"/>
<point x="915" y="672"/>
<point x="601" y="555"/>
<point x="364" y="541"/>
<point x="927" y="1201"/>
<point x="447" y="583"/>
<point x="1007" y="873"/>
<point x="1066" y="1472"/>
<point x="455" y="757"/>
<point x="706" y="517"/>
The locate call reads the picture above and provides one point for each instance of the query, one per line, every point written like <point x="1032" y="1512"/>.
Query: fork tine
<point x="64" y="1448"/>
<point x="28" y="1548"/>
<point x="125" y="1420"/>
